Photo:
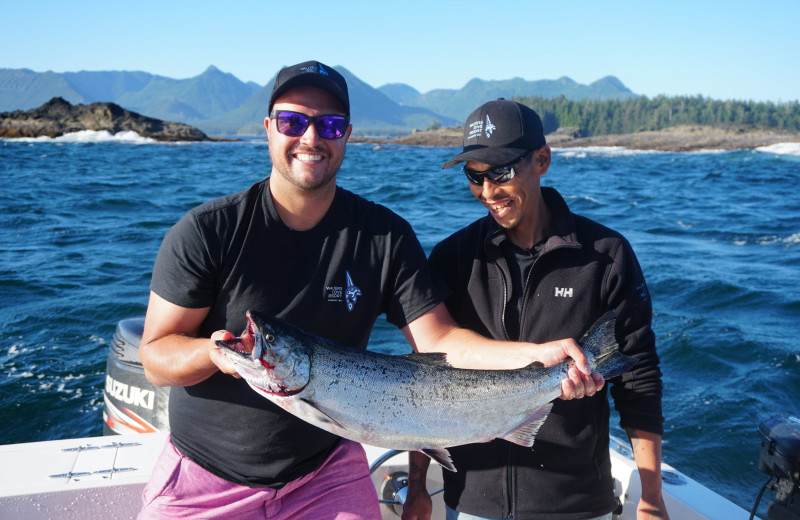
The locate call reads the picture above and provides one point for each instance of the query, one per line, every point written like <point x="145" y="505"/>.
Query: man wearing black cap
<point x="532" y="271"/>
<point x="298" y="247"/>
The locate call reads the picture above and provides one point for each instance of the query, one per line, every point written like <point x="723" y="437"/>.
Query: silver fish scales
<point x="412" y="402"/>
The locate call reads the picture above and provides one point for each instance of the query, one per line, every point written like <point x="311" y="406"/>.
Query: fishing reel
<point x="780" y="458"/>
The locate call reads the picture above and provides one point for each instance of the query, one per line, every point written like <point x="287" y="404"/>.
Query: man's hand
<point x="218" y="357"/>
<point x="655" y="510"/>
<point x="580" y="381"/>
<point x="418" y="506"/>
<point x="577" y="384"/>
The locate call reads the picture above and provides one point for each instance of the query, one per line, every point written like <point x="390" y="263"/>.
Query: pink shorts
<point x="340" y="489"/>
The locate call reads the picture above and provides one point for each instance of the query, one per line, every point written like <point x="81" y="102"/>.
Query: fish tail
<point x="600" y="342"/>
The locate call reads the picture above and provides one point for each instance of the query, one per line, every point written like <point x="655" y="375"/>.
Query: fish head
<point x="268" y="357"/>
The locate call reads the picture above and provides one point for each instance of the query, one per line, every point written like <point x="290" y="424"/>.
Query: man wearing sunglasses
<point x="531" y="270"/>
<point x="298" y="247"/>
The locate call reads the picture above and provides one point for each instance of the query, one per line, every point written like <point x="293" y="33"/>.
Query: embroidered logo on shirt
<point x="334" y="293"/>
<point x="352" y="292"/>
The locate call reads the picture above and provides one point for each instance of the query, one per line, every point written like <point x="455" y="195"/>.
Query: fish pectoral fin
<point x="325" y="417"/>
<point x="442" y="456"/>
<point x="436" y="359"/>
<point x="525" y="434"/>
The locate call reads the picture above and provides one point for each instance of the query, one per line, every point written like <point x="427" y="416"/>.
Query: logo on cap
<point x="315" y="68"/>
<point x="489" y="127"/>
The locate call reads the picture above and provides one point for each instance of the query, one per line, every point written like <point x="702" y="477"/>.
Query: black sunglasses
<point x="498" y="174"/>
<point x="295" y="124"/>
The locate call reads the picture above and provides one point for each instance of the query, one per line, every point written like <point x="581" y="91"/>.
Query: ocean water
<point x="717" y="234"/>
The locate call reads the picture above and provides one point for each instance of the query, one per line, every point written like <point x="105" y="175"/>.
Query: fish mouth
<point x="244" y="344"/>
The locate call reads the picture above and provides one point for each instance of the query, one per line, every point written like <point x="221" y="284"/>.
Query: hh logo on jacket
<point x="563" y="292"/>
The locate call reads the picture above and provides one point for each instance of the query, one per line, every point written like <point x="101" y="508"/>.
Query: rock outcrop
<point x="58" y="117"/>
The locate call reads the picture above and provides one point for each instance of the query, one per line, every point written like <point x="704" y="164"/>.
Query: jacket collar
<point x="562" y="226"/>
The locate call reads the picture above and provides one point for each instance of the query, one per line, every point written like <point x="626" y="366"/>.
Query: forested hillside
<point x="615" y="116"/>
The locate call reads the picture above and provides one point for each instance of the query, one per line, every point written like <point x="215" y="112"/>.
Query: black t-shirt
<point x="234" y="254"/>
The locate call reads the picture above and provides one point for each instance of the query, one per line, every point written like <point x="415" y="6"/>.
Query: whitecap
<point x="794" y="239"/>
<point x="103" y="136"/>
<point x="710" y="151"/>
<point x="613" y="151"/>
<point x="781" y="149"/>
<point x="90" y="136"/>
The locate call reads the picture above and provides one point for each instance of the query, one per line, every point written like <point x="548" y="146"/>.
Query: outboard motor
<point x="780" y="458"/>
<point x="131" y="403"/>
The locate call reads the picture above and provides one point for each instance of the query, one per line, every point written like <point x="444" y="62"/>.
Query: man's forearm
<point x="436" y="331"/>
<point x="418" y="504"/>
<point x="647" y="454"/>
<point x="177" y="360"/>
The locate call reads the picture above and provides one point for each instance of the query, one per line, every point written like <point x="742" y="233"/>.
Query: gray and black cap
<point x="312" y="74"/>
<point x="498" y="132"/>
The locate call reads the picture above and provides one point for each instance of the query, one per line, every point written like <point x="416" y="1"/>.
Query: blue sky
<point x="719" y="49"/>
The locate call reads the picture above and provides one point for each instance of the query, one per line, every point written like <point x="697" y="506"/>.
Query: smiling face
<point x="307" y="162"/>
<point x="517" y="204"/>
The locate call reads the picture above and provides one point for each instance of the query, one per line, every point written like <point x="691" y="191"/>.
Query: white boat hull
<point x="103" y="477"/>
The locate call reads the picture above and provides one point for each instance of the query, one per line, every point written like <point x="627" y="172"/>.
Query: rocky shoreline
<point x="58" y="117"/>
<point x="685" y="138"/>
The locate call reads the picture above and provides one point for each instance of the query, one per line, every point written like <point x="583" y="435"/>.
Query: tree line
<point x="615" y="116"/>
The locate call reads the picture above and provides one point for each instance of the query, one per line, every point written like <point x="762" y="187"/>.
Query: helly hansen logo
<point x="563" y="292"/>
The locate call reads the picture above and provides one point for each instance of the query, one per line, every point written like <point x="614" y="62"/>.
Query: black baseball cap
<point x="498" y="132"/>
<point x="312" y="74"/>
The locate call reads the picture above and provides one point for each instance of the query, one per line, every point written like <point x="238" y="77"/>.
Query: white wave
<point x="781" y="149"/>
<point x="91" y="136"/>
<point x="710" y="151"/>
<point x="794" y="239"/>
<point x="613" y="151"/>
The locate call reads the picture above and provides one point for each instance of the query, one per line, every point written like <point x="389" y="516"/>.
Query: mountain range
<point x="220" y="104"/>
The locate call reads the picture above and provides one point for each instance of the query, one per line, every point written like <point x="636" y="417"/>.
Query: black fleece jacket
<point x="583" y="271"/>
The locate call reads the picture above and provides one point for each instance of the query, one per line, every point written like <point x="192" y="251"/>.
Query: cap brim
<point x="486" y="155"/>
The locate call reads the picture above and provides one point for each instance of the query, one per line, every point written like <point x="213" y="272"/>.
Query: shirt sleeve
<point x="637" y="393"/>
<point x="415" y="288"/>
<point x="182" y="272"/>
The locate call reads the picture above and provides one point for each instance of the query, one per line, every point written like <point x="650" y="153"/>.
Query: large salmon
<point x="410" y="402"/>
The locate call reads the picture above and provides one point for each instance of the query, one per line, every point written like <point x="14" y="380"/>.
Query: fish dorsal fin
<point x="436" y="359"/>
<point x="525" y="434"/>
<point x="442" y="456"/>
<point x="325" y="417"/>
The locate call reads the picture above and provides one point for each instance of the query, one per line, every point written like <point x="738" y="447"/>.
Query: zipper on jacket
<point x="505" y="300"/>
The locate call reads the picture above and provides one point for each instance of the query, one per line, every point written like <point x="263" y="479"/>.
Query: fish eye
<point x="270" y="338"/>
